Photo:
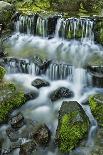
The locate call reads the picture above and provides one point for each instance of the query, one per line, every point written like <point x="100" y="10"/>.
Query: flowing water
<point x="53" y="38"/>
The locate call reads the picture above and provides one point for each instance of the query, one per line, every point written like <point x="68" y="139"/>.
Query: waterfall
<point x="56" y="26"/>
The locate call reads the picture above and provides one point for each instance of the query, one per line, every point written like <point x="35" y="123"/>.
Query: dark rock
<point x="73" y="125"/>
<point x="41" y="135"/>
<point x="96" y="73"/>
<point x="31" y="95"/>
<point x="44" y="66"/>
<point x="15" y="16"/>
<point x="38" y="83"/>
<point x="52" y="21"/>
<point x="12" y="134"/>
<point x="1" y="143"/>
<point x="27" y="148"/>
<point x="17" y="121"/>
<point x="61" y="93"/>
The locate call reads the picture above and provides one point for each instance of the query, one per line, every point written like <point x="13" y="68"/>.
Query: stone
<point x="17" y="121"/>
<point x="27" y="148"/>
<point x="96" y="105"/>
<point x="73" y="126"/>
<point x="6" y="12"/>
<point x="61" y="93"/>
<point x="38" y="83"/>
<point x="96" y="73"/>
<point x="12" y="134"/>
<point x="98" y="144"/>
<point x="31" y="95"/>
<point x="41" y="135"/>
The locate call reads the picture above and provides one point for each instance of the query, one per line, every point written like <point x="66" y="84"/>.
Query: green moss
<point x="10" y="99"/>
<point x="96" y="105"/>
<point x="70" y="133"/>
<point x="2" y="72"/>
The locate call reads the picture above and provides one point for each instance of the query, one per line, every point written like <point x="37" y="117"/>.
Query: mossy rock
<point x="98" y="31"/>
<point x="2" y="72"/>
<point x="95" y="60"/>
<point x="73" y="126"/>
<point x="96" y="105"/>
<point x="10" y="99"/>
<point x="6" y="12"/>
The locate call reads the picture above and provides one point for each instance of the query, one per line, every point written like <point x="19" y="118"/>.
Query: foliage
<point x="85" y="6"/>
<point x="2" y="72"/>
<point x="96" y="105"/>
<point x="71" y="133"/>
<point x="10" y="99"/>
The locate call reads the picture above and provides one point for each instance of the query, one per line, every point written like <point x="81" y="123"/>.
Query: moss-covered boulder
<point x="2" y="73"/>
<point x="96" y="105"/>
<point x="73" y="124"/>
<point x="10" y="98"/>
<point x="6" y="12"/>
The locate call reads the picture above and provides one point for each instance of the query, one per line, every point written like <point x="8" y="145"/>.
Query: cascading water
<point x="68" y="43"/>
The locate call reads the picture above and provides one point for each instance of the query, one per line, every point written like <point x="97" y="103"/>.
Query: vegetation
<point x="2" y="72"/>
<point x="72" y="126"/>
<point x="96" y="104"/>
<point x="10" y="97"/>
<point x="71" y="134"/>
<point x="76" y="6"/>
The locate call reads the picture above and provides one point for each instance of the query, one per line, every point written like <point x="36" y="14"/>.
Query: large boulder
<point x="6" y="12"/>
<point x="10" y="98"/>
<point x="73" y="125"/>
<point x="61" y="93"/>
<point x="96" y="105"/>
<point x="38" y="83"/>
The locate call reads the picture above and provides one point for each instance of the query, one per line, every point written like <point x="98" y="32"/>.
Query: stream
<point x="69" y="55"/>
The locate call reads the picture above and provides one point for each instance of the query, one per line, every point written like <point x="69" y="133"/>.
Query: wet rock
<point x="41" y="135"/>
<point x="12" y="134"/>
<point x="98" y="144"/>
<point x="61" y="93"/>
<point x="96" y="73"/>
<point x="73" y="125"/>
<point x="52" y="21"/>
<point x="38" y="83"/>
<point x="17" y="121"/>
<point x="27" y="148"/>
<point x="44" y="66"/>
<point x="6" y="12"/>
<point x="1" y="143"/>
<point x="15" y="16"/>
<point x="96" y="105"/>
<point x="31" y="95"/>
